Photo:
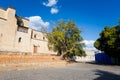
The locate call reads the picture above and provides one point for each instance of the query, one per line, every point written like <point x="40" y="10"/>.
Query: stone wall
<point x="16" y="37"/>
<point x="7" y="30"/>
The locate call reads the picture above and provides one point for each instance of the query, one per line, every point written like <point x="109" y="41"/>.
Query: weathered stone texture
<point x="20" y="38"/>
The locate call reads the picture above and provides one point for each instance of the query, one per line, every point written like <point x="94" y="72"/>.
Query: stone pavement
<point x="74" y="71"/>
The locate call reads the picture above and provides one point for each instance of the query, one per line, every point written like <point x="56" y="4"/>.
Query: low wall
<point x="26" y="58"/>
<point x="85" y="59"/>
<point x="10" y="57"/>
<point x="14" y="53"/>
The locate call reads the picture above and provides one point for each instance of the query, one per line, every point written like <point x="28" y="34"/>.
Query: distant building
<point x="16" y="36"/>
<point x="90" y="56"/>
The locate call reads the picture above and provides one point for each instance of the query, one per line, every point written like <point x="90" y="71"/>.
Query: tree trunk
<point x="63" y="55"/>
<point x="59" y="53"/>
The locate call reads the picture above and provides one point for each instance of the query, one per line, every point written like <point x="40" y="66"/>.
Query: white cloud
<point x="54" y="11"/>
<point x="50" y="3"/>
<point x="89" y="44"/>
<point x="36" y="22"/>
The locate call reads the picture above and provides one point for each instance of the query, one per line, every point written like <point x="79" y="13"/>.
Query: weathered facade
<point x="16" y="36"/>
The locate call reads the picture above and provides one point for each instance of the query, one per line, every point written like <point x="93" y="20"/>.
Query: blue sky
<point x="91" y="16"/>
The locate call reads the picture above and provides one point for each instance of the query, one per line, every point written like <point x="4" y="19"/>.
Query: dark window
<point x="19" y="20"/>
<point x="35" y="35"/>
<point x="22" y="29"/>
<point x="43" y="38"/>
<point x="19" y="40"/>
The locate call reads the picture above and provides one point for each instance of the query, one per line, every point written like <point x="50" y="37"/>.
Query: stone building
<point x="16" y="36"/>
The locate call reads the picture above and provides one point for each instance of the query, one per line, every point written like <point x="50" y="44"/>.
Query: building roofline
<point x="22" y="17"/>
<point x="37" y="30"/>
<point x="11" y="7"/>
<point x="2" y="8"/>
<point x="7" y="8"/>
<point x="34" y="29"/>
<point x="14" y="9"/>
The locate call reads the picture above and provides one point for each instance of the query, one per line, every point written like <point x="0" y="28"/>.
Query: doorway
<point x="35" y="49"/>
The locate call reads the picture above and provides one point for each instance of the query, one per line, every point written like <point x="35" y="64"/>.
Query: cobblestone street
<point x="75" y="71"/>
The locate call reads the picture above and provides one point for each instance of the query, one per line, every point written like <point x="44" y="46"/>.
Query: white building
<point x="90" y="56"/>
<point x="16" y="36"/>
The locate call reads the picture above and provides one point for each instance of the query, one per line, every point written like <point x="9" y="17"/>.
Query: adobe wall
<point x="24" y="44"/>
<point x="39" y="39"/>
<point x="7" y="29"/>
<point x="2" y="13"/>
<point x="20" y="38"/>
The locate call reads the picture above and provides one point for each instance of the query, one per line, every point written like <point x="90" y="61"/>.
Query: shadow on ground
<point x="95" y="63"/>
<point x="104" y="75"/>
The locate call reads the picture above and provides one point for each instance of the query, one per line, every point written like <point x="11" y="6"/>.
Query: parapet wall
<point x="2" y="13"/>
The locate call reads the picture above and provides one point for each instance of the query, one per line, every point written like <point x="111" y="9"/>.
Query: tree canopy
<point x="109" y="41"/>
<point x="66" y="40"/>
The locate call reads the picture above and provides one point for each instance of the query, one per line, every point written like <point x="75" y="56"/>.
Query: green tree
<point x="109" y="42"/>
<point x="66" y="40"/>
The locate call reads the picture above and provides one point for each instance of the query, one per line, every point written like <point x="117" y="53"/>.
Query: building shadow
<point x="104" y="75"/>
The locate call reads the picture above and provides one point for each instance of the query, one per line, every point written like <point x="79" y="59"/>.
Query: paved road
<point x="76" y="71"/>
